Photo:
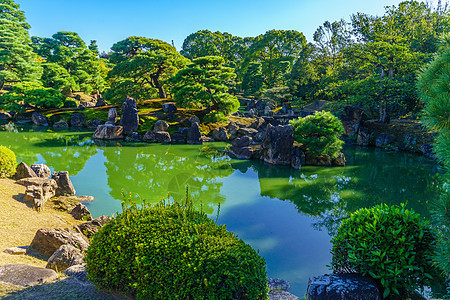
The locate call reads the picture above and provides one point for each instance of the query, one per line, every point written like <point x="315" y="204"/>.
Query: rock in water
<point x="47" y="240"/>
<point x="39" y="120"/>
<point x="342" y="286"/>
<point x="77" y="120"/>
<point x="129" y="119"/>
<point x="65" y="186"/>
<point x="277" y="145"/>
<point x="194" y="136"/>
<point x="24" y="171"/>
<point x="108" y="132"/>
<point x="65" y="257"/>
<point x="25" y="276"/>
<point x="157" y="137"/>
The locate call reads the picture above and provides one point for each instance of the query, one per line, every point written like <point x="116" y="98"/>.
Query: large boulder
<point x="108" y="132"/>
<point x="194" y="119"/>
<point x="47" y="240"/>
<point x="92" y="227"/>
<point x="232" y="129"/>
<point x="41" y="170"/>
<point x="220" y="134"/>
<point x="194" y="136"/>
<point x="339" y="160"/>
<point x="363" y="137"/>
<point x="61" y="124"/>
<point x="81" y="212"/>
<point x="64" y="257"/>
<point x="384" y="140"/>
<point x="24" y="275"/>
<point x="38" y="119"/>
<point x="169" y="107"/>
<point x="112" y="116"/>
<point x="279" y="290"/>
<point x="78" y="272"/>
<point x="241" y="148"/>
<point x="277" y="145"/>
<point x="77" y="120"/>
<point x="130" y="118"/>
<point x="160" y="125"/>
<point x="157" y="137"/>
<point x="24" y="171"/>
<point x="351" y="119"/>
<point x="65" y="186"/>
<point x="39" y="190"/>
<point x="177" y="138"/>
<point x="321" y="160"/>
<point x="342" y="286"/>
<point x="95" y="123"/>
<point x="298" y="158"/>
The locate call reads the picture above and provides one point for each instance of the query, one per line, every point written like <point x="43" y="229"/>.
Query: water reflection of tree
<point x="156" y="172"/>
<point x="330" y="194"/>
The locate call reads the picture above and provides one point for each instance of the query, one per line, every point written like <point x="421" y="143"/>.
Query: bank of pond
<point x="288" y="215"/>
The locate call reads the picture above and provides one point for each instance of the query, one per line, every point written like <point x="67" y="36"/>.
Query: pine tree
<point x="17" y="61"/>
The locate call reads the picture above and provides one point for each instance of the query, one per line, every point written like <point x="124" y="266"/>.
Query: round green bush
<point x="389" y="243"/>
<point x="169" y="251"/>
<point x="214" y="117"/>
<point x="8" y="162"/>
<point x="70" y="104"/>
<point x="319" y="133"/>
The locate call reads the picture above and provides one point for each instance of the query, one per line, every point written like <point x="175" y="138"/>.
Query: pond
<point x="288" y="215"/>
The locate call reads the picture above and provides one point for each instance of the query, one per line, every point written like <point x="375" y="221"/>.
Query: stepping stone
<point x="24" y="275"/>
<point x="16" y="250"/>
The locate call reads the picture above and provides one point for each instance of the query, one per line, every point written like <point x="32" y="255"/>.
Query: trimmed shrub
<point x="319" y="133"/>
<point x="215" y="117"/>
<point x="389" y="243"/>
<point x="8" y="162"/>
<point x="169" y="251"/>
<point x="70" y="103"/>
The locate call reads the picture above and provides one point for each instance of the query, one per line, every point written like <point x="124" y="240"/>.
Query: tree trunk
<point x="384" y="116"/>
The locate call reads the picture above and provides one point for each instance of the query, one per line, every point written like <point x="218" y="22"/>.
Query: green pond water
<point x="289" y="215"/>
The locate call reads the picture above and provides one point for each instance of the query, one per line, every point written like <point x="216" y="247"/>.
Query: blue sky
<point x="109" y="21"/>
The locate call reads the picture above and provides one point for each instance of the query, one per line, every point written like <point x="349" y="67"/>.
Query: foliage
<point x="177" y="253"/>
<point x="214" y="117"/>
<point x="389" y="243"/>
<point x="70" y="104"/>
<point x="8" y="162"/>
<point x="278" y="95"/>
<point x="203" y="84"/>
<point x="319" y="133"/>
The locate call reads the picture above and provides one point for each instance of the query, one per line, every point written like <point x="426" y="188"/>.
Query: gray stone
<point x="342" y="286"/>
<point x="134" y="137"/>
<point x="220" y="134"/>
<point x="426" y="150"/>
<point x="129" y="118"/>
<point x="16" y="250"/>
<point x="247" y="131"/>
<point x="232" y="129"/>
<point x="112" y="116"/>
<point x="194" y="119"/>
<point x="321" y="160"/>
<point x="241" y="153"/>
<point x="100" y="102"/>
<point x="61" y="124"/>
<point x="169" y="107"/>
<point x="64" y="257"/>
<point x="157" y="137"/>
<point x="298" y="157"/>
<point x="277" y="145"/>
<point x="78" y="272"/>
<point x="363" y="138"/>
<point x="23" y="275"/>
<point x="384" y="140"/>
<point x="281" y="295"/>
<point x="77" y="120"/>
<point x="41" y="170"/>
<point x="90" y="228"/>
<point x="24" y="171"/>
<point x="339" y="161"/>
<point x="258" y="123"/>
<point x="39" y="190"/>
<point x="278" y="284"/>
<point x="160" y="125"/>
<point x="244" y="141"/>
<point x="351" y="119"/>
<point x="81" y="212"/>
<point x="39" y="120"/>
<point x="194" y="135"/>
<point x="108" y="132"/>
<point x="65" y="186"/>
<point x="47" y="240"/>
<point x="95" y="123"/>
<point x="177" y="138"/>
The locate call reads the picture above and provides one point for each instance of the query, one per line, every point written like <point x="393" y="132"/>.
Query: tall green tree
<point x="143" y="67"/>
<point x="202" y="84"/>
<point x="17" y="61"/>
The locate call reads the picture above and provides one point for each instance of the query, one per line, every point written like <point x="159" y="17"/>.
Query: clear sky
<point x="109" y="21"/>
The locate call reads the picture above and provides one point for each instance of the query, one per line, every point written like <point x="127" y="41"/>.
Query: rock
<point x="298" y="157"/>
<point x="112" y="116"/>
<point x="427" y="150"/>
<point x="157" y="137"/>
<point x="95" y="123"/>
<point x="177" y="138"/>
<point x="194" y="135"/>
<point x="39" y="120"/>
<point x="258" y="123"/>
<point x="61" y="124"/>
<point x="351" y="119"/>
<point x="65" y="186"/>
<point x="68" y="203"/>
<point x="47" y="240"/>
<point x="24" y="171"/>
<point x="232" y="128"/>
<point x="5" y="116"/>
<point x="339" y="161"/>
<point x="16" y="250"/>
<point x="384" y="140"/>
<point x="220" y="134"/>
<point x="194" y="119"/>
<point x="100" y="102"/>
<point x="244" y="141"/>
<point x="321" y="161"/>
<point x="277" y="145"/>
<point x="23" y="275"/>
<point x="81" y="212"/>
<point x="279" y="284"/>
<point x="134" y="137"/>
<point x="65" y="257"/>
<point x="268" y="111"/>
<point x="363" y="136"/>
<point x="160" y="125"/>
<point x="279" y="290"/>
<point x="90" y="228"/>
<point x="108" y="132"/>
<point x="41" y="170"/>
<point x="247" y="131"/>
<point x="77" y="120"/>
<point x="342" y="286"/>
<point x="77" y="271"/>
<point x="281" y="295"/>
<point x="129" y="118"/>
<point x="37" y="181"/>
<point x="241" y="153"/>
<point x="207" y="139"/>
<point x="39" y="190"/>
<point x="169" y="107"/>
